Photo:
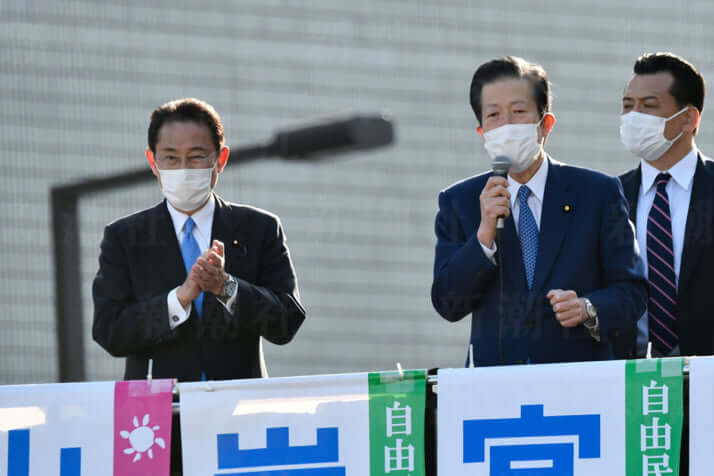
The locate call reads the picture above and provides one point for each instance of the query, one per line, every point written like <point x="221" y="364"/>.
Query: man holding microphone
<point x="565" y="278"/>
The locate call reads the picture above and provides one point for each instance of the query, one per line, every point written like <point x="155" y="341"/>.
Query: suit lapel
<point x="631" y="187"/>
<point x="226" y="228"/>
<point x="698" y="221"/>
<point x="513" y="258"/>
<point x="220" y="230"/>
<point x="168" y="253"/>
<point x="555" y="221"/>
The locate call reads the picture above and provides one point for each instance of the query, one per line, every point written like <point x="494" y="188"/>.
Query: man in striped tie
<point x="671" y="197"/>
<point x="564" y="277"/>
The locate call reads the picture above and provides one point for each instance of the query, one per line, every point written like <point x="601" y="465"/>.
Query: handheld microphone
<point x="500" y="165"/>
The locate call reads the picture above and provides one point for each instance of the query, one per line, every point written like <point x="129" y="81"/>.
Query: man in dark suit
<point x="193" y="283"/>
<point x="671" y="196"/>
<point x="571" y="276"/>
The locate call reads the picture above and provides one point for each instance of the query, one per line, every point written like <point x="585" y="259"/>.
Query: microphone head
<point x="500" y="165"/>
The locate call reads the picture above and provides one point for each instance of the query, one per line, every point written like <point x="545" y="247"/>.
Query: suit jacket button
<point x="175" y="318"/>
<point x="530" y="324"/>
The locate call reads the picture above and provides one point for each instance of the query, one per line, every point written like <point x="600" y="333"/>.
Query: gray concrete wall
<point x="78" y="80"/>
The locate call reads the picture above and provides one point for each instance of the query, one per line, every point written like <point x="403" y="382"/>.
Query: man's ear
<point x="223" y="159"/>
<point x="152" y="161"/>
<point x="548" y="123"/>
<point x="693" y="118"/>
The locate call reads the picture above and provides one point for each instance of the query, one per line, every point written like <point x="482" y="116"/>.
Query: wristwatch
<point x="230" y="286"/>
<point x="591" y="319"/>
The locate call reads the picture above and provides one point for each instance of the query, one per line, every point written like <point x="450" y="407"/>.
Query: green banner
<point x="396" y="429"/>
<point x="654" y="416"/>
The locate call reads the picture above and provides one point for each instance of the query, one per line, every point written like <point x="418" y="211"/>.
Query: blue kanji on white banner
<point x="18" y="456"/>
<point x="510" y="459"/>
<point x="278" y="452"/>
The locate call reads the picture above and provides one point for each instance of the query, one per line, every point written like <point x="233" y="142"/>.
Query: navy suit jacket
<point x="140" y="262"/>
<point x="694" y="306"/>
<point x="586" y="243"/>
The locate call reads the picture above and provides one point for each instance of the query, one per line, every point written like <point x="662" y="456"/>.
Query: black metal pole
<point x="68" y="292"/>
<point x="303" y="143"/>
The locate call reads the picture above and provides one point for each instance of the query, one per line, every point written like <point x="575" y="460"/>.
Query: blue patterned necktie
<point x="190" y="252"/>
<point x="528" y="233"/>
<point x="662" y="304"/>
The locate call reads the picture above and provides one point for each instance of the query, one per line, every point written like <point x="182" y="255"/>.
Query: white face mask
<point x="643" y="134"/>
<point x="519" y="142"/>
<point x="186" y="189"/>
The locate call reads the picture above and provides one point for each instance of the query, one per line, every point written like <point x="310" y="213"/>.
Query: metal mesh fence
<point x="78" y="80"/>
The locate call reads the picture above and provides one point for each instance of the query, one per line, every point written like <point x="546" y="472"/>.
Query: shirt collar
<point x="536" y="183"/>
<point x="203" y="218"/>
<point x="682" y="172"/>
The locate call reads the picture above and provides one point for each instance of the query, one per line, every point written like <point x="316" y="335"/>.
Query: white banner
<point x="555" y="419"/>
<point x="283" y="426"/>
<point x="62" y="429"/>
<point x="95" y="428"/>
<point x="701" y="416"/>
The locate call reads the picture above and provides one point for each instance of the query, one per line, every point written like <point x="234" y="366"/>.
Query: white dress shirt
<point x="203" y="219"/>
<point x="679" y="192"/>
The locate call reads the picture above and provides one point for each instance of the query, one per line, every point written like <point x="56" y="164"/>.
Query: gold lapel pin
<point x="235" y="242"/>
<point x="566" y="208"/>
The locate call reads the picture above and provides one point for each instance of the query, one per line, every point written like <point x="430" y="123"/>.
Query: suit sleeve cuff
<point x="489" y="252"/>
<point x="594" y="330"/>
<point x="177" y="313"/>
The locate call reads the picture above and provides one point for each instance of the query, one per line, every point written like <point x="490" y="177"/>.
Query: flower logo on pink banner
<point x="142" y="438"/>
<point x="142" y="426"/>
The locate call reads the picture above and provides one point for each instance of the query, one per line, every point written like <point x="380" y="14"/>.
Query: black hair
<point x="511" y="67"/>
<point x="186" y="110"/>
<point x="688" y="86"/>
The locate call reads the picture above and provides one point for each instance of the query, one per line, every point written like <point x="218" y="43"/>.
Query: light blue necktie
<point x="190" y="252"/>
<point x="528" y="233"/>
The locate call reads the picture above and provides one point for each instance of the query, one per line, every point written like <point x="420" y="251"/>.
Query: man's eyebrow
<point x="515" y="101"/>
<point x="646" y="98"/>
<point x="197" y="147"/>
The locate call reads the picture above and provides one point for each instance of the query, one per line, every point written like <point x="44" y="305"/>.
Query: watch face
<point x="229" y="288"/>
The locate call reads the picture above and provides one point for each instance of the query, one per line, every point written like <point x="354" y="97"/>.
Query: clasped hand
<point x="207" y="274"/>
<point x="569" y="309"/>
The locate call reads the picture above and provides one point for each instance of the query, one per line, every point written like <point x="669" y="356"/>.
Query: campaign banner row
<point x="618" y="417"/>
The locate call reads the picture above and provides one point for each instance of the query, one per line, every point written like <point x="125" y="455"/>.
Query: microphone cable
<point x="499" y="244"/>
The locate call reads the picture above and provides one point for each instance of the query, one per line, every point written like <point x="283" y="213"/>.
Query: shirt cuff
<point x="177" y="313"/>
<point x="489" y="252"/>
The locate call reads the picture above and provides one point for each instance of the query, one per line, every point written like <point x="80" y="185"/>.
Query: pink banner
<point x="142" y="428"/>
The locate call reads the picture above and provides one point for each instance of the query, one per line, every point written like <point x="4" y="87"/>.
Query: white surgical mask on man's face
<point x="186" y="189"/>
<point x="643" y="134"/>
<point x="519" y="142"/>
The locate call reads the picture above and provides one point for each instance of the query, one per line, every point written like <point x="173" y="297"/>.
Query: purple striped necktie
<point x="662" y="304"/>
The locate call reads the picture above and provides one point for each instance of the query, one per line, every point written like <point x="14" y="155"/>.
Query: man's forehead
<point x="507" y="91"/>
<point x="650" y="85"/>
<point x="184" y="134"/>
